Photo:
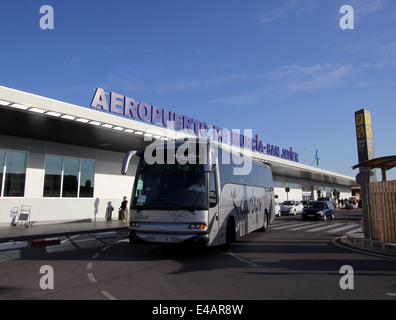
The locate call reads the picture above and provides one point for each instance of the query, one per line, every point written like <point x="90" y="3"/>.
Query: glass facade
<point x="13" y="173"/>
<point x="53" y="176"/>
<point x="69" y="177"/>
<point x="87" y="178"/>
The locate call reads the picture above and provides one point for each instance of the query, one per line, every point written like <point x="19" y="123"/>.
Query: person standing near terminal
<point x="124" y="208"/>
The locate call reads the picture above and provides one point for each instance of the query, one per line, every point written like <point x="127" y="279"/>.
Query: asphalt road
<point x="294" y="259"/>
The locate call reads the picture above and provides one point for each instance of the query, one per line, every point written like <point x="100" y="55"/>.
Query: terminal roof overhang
<point x="385" y="163"/>
<point x="51" y="120"/>
<point x="31" y="116"/>
<point x="284" y="168"/>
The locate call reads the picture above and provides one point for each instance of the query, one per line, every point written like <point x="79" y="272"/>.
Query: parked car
<point x="291" y="207"/>
<point x="320" y="210"/>
<point x="305" y="203"/>
<point x="277" y="209"/>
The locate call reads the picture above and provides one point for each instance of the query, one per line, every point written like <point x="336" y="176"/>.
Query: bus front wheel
<point x="229" y="233"/>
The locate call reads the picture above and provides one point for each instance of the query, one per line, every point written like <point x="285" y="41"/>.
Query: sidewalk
<point x="39" y="231"/>
<point x="359" y="242"/>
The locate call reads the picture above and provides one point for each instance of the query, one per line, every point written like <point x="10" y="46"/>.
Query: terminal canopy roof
<point x="383" y="163"/>
<point x="386" y="163"/>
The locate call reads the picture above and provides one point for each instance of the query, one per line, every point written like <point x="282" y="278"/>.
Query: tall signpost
<point x="365" y="146"/>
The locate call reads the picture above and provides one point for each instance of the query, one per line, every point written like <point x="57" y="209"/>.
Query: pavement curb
<point x="52" y="234"/>
<point x="372" y="245"/>
<point x="45" y="242"/>
<point x="106" y="235"/>
<point x="49" y="239"/>
<point x="13" y="245"/>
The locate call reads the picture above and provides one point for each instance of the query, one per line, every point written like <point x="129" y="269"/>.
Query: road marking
<point x="287" y="226"/>
<point x="89" y="266"/>
<point x="91" y="277"/>
<point x="70" y="238"/>
<point x="321" y="228"/>
<point x="96" y="255"/>
<point x="108" y="295"/>
<point x="316" y="226"/>
<point x="355" y="230"/>
<point x="348" y="226"/>
<point x="305" y="226"/>
<point x="123" y="240"/>
<point x="243" y="260"/>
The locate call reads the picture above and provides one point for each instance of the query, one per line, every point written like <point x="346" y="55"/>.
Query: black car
<point x="320" y="210"/>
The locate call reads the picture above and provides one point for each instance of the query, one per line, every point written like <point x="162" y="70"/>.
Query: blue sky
<point x="283" y="68"/>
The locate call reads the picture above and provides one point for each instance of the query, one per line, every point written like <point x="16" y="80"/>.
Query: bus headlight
<point x="134" y="224"/>
<point x="197" y="226"/>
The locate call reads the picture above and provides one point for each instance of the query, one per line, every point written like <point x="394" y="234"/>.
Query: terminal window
<point x="277" y="184"/>
<point x="292" y="185"/>
<point x="12" y="173"/>
<point x="68" y="177"/>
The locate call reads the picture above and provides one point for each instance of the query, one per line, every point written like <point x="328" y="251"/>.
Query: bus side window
<point x="212" y="190"/>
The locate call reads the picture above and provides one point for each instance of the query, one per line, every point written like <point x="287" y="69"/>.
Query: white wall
<point x="109" y="185"/>
<point x="297" y="194"/>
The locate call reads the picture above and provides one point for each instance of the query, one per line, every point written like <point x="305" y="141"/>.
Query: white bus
<point x="196" y="192"/>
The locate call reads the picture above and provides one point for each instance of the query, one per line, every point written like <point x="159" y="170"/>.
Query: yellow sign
<point x="369" y="132"/>
<point x="368" y="118"/>
<point x="359" y="119"/>
<point x="364" y="134"/>
<point x="360" y="132"/>
<point x="363" y="118"/>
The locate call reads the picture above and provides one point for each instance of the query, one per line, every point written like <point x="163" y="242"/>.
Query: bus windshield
<point x="179" y="186"/>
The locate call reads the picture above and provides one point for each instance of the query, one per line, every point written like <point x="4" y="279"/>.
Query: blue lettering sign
<point x="130" y="108"/>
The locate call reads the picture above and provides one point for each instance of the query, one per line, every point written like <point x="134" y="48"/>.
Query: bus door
<point x="213" y="218"/>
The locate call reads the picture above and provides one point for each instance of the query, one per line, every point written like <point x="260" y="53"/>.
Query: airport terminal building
<point x="64" y="161"/>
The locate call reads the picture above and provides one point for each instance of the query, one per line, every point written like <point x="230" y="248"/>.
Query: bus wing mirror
<point x="125" y="164"/>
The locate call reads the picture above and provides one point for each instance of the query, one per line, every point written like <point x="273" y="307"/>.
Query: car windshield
<point x="288" y="203"/>
<point x="170" y="186"/>
<point x="316" y="205"/>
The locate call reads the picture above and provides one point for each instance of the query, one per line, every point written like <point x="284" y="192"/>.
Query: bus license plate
<point x="163" y="239"/>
